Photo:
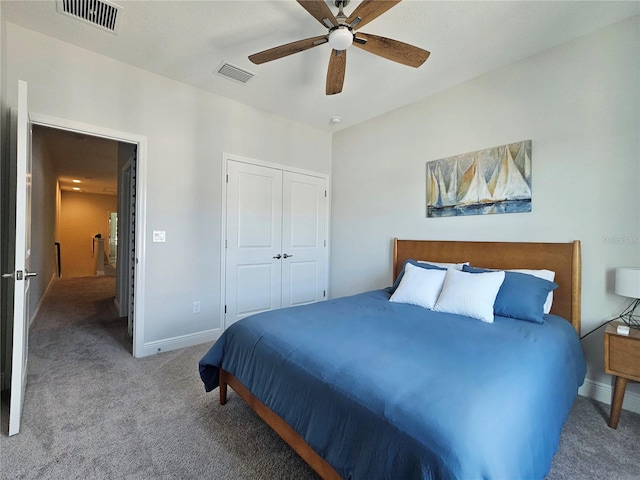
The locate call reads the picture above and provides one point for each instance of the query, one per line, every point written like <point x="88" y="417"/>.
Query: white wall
<point x="579" y="104"/>
<point x="187" y="131"/>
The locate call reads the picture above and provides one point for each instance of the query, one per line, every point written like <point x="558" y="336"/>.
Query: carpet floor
<point x="92" y="411"/>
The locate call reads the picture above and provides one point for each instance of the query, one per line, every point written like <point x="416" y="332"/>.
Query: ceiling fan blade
<point x="320" y="11"/>
<point x="369" y="10"/>
<point x="288" y="49"/>
<point x="393" y="50"/>
<point x="337" y="69"/>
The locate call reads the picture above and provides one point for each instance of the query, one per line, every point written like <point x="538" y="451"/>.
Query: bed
<point x="362" y="387"/>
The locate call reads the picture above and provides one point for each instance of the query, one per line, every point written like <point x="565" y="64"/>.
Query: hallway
<point x="78" y="316"/>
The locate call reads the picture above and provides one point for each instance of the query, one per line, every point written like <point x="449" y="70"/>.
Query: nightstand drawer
<point x="624" y="356"/>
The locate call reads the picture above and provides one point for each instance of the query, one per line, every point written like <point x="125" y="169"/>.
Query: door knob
<point x="287" y="255"/>
<point x="278" y="257"/>
<point x="19" y="274"/>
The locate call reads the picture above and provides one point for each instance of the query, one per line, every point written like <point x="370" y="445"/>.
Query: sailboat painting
<point x="494" y="180"/>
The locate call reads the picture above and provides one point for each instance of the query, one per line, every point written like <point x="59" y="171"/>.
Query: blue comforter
<point x="389" y="390"/>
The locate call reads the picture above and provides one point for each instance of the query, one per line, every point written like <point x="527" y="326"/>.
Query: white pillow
<point x="457" y="266"/>
<point x="545" y="275"/>
<point x="419" y="286"/>
<point x="470" y="294"/>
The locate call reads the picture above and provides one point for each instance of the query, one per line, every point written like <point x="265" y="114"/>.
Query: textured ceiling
<point x="187" y="40"/>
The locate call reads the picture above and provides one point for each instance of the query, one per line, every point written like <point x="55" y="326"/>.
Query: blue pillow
<point x="428" y="266"/>
<point x="520" y="296"/>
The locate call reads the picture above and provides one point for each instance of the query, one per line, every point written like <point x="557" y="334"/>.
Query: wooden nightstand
<point x="622" y="359"/>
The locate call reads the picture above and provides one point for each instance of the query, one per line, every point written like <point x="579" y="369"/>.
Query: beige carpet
<point x="92" y="411"/>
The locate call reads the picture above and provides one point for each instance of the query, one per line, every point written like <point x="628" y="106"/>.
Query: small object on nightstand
<point x="622" y="330"/>
<point x="628" y="285"/>
<point x="622" y="359"/>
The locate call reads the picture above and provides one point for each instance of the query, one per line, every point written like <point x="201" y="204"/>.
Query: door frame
<point x="226" y="157"/>
<point x="141" y="211"/>
<point x="124" y="242"/>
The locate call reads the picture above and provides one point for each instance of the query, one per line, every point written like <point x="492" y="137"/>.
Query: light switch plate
<point x="159" y="236"/>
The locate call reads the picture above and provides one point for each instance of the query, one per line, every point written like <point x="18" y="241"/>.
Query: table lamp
<point x="628" y="285"/>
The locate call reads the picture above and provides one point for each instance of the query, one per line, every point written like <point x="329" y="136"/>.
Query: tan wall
<point x="82" y="215"/>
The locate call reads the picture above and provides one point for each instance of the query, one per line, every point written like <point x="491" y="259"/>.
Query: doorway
<point x="81" y="175"/>
<point x="126" y="202"/>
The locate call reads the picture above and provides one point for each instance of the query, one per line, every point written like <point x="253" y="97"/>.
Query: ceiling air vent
<point x="99" y="13"/>
<point x="234" y="73"/>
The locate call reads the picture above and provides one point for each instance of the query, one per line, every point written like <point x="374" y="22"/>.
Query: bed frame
<point x="562" y="258"/>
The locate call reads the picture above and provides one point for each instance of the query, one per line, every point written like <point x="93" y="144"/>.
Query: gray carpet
<point x="94" y="412"/>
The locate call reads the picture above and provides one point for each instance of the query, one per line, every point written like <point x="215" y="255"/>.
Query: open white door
<point x="21" y="273"/>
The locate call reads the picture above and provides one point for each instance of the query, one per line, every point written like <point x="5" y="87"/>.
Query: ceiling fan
<point x="342" y="34"/>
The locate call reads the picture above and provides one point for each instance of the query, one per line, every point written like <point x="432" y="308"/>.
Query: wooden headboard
<point x="562" y="258"/>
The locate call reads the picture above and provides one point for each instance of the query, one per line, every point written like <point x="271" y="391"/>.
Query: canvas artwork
<point x="494" y="180"/>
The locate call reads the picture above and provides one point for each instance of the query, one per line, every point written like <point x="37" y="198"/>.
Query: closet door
<point x="254" y="239"/>
<point x="304" y="262"/>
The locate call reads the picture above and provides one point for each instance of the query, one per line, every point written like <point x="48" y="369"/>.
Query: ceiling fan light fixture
<point x="340" y="37"/>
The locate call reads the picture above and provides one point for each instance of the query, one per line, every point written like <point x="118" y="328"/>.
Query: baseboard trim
<point x="603" y="393"/>
<point x="151" y="348"/>
<point x="34" y="314"/>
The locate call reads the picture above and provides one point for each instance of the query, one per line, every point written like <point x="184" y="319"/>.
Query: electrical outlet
<point x="196" y="307"/>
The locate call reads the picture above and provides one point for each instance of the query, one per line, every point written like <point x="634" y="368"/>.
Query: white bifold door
<point x="276" y="245"/>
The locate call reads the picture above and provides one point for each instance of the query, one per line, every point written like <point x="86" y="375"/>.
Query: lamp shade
<point x="628" y="282"/>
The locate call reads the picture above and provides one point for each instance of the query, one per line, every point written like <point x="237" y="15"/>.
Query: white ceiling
<point x="187" y="41"/>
